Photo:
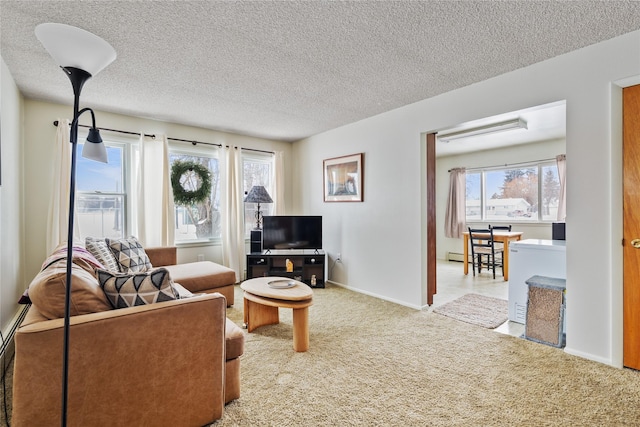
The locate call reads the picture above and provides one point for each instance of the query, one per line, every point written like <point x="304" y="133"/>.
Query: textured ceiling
<point x="290" y="69"/>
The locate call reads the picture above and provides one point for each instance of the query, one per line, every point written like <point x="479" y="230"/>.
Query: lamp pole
<point x="258" y="227"/>
<point x="78" y="78"/>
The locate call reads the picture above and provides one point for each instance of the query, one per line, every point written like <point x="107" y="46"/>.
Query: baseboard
<point x="371" y="294"/>
<point x="589" y="356"/>
<point x="7" y="348"/>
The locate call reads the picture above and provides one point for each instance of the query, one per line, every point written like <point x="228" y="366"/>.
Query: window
<point x="201" y="221"/>
<point x="101" y="197"/>
<point x="257" y="170"/>
<point x="104" y="205"/>
<point x="524" y="194"/>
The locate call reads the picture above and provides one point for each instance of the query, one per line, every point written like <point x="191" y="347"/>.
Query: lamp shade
<point x="74" y="47"/>
<point x="258" y="194"/>
<point x="94" y="149"/>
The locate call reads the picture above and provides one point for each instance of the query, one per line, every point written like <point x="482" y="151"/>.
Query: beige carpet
<point x="374" y="363"/>
<point x="476" y="309"/>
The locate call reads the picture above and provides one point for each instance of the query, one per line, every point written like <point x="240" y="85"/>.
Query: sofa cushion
<point x="129" y="254"/>
<point x="234" y="338"/>
<point x="99" y="249"/>
<point x="127" y="290"/>
<point x="202" y="276"/>
<point x="47" y="291"/>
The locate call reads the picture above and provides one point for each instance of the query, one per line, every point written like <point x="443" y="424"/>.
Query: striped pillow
<point x="99" y="249"/>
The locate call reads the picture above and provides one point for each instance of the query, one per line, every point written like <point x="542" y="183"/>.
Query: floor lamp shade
<point x="74" y="47"/>
<point x="94" y="149"/>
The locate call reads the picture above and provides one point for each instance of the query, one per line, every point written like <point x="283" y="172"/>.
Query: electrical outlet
<point x="200" y="257"/>
<point x="338" y="257"/>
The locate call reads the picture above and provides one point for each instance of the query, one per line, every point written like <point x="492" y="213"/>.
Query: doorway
<point x="544" y="138"/>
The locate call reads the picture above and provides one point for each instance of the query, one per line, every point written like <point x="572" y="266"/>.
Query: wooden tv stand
<point x="306" y="263"/>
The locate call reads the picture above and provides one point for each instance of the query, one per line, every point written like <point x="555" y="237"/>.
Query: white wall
<point x="11" y="226"/>
<point x="381" y="240"/>
<point x="39" y="142"/>
<point x="508" y="155"/>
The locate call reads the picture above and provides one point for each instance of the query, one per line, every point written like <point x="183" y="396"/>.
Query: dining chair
<point x="482" y="244"/>
<point x="500" y="228"/>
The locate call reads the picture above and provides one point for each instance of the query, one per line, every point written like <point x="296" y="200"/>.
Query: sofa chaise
<point x="197" y="277"/>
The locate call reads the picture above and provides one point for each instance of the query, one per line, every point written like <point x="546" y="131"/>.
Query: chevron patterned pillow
<point x="128" y="290"/>
<point x="129" y="254"/>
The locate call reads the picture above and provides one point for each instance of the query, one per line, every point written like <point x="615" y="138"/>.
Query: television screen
<point x="292" y="232"/>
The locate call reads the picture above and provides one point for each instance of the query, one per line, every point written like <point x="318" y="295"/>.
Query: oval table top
<point x="260" y="286"/>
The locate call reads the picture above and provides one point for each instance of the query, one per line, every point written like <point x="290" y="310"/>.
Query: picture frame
<point x="343" y="178"/>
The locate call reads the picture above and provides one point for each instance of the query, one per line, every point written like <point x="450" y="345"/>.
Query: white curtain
<point x="155" y="209"/>
<point x="58" y="215"/>
<point x="561" y="160"/>
<point x="279" y="207"/>
<point x="233" y="245"/>
<point x="455" y="221"/>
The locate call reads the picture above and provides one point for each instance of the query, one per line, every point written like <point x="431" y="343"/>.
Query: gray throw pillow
<point x="128" y="290"/>
<point x="129" y="255"/>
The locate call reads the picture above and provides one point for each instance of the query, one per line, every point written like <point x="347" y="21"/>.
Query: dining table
<point x="498" y="236"/>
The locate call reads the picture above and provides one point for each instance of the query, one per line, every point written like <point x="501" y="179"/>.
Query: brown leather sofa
<point x="173" y="363"/>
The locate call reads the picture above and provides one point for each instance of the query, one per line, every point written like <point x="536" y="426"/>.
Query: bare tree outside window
<point x="513" y="194"/>
<point x="550" y="192"/>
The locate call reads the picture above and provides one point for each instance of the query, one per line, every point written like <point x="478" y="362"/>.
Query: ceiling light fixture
<point x="483" y="130"/>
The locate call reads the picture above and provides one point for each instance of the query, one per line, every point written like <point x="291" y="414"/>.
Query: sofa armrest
<point x="160" y="364"/>
<point x="162" y="255"/>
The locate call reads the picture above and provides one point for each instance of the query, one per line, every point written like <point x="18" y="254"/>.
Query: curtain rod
<point x="507" y="165"/>
<point x="152" y="136"/>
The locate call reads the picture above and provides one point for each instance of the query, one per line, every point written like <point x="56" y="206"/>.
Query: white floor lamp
<point x="81" y="55"/>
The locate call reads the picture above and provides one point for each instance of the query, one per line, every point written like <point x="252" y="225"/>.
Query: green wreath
<point x="190" y="174"/>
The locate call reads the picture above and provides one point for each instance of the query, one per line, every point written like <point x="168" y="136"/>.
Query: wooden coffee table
<point x="261" y="303"/>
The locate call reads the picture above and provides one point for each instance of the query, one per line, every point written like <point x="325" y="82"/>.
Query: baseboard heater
<point x="457" y="257"/>
<point x="7" y="349"/>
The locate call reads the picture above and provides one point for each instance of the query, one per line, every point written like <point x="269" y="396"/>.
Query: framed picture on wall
<point x="343" y="179"/>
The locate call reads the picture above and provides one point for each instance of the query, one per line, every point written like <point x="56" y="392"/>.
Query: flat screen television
<point x="291" y="232"/>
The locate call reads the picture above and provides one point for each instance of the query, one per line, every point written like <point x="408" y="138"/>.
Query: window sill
<point x="198" y="243"/>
